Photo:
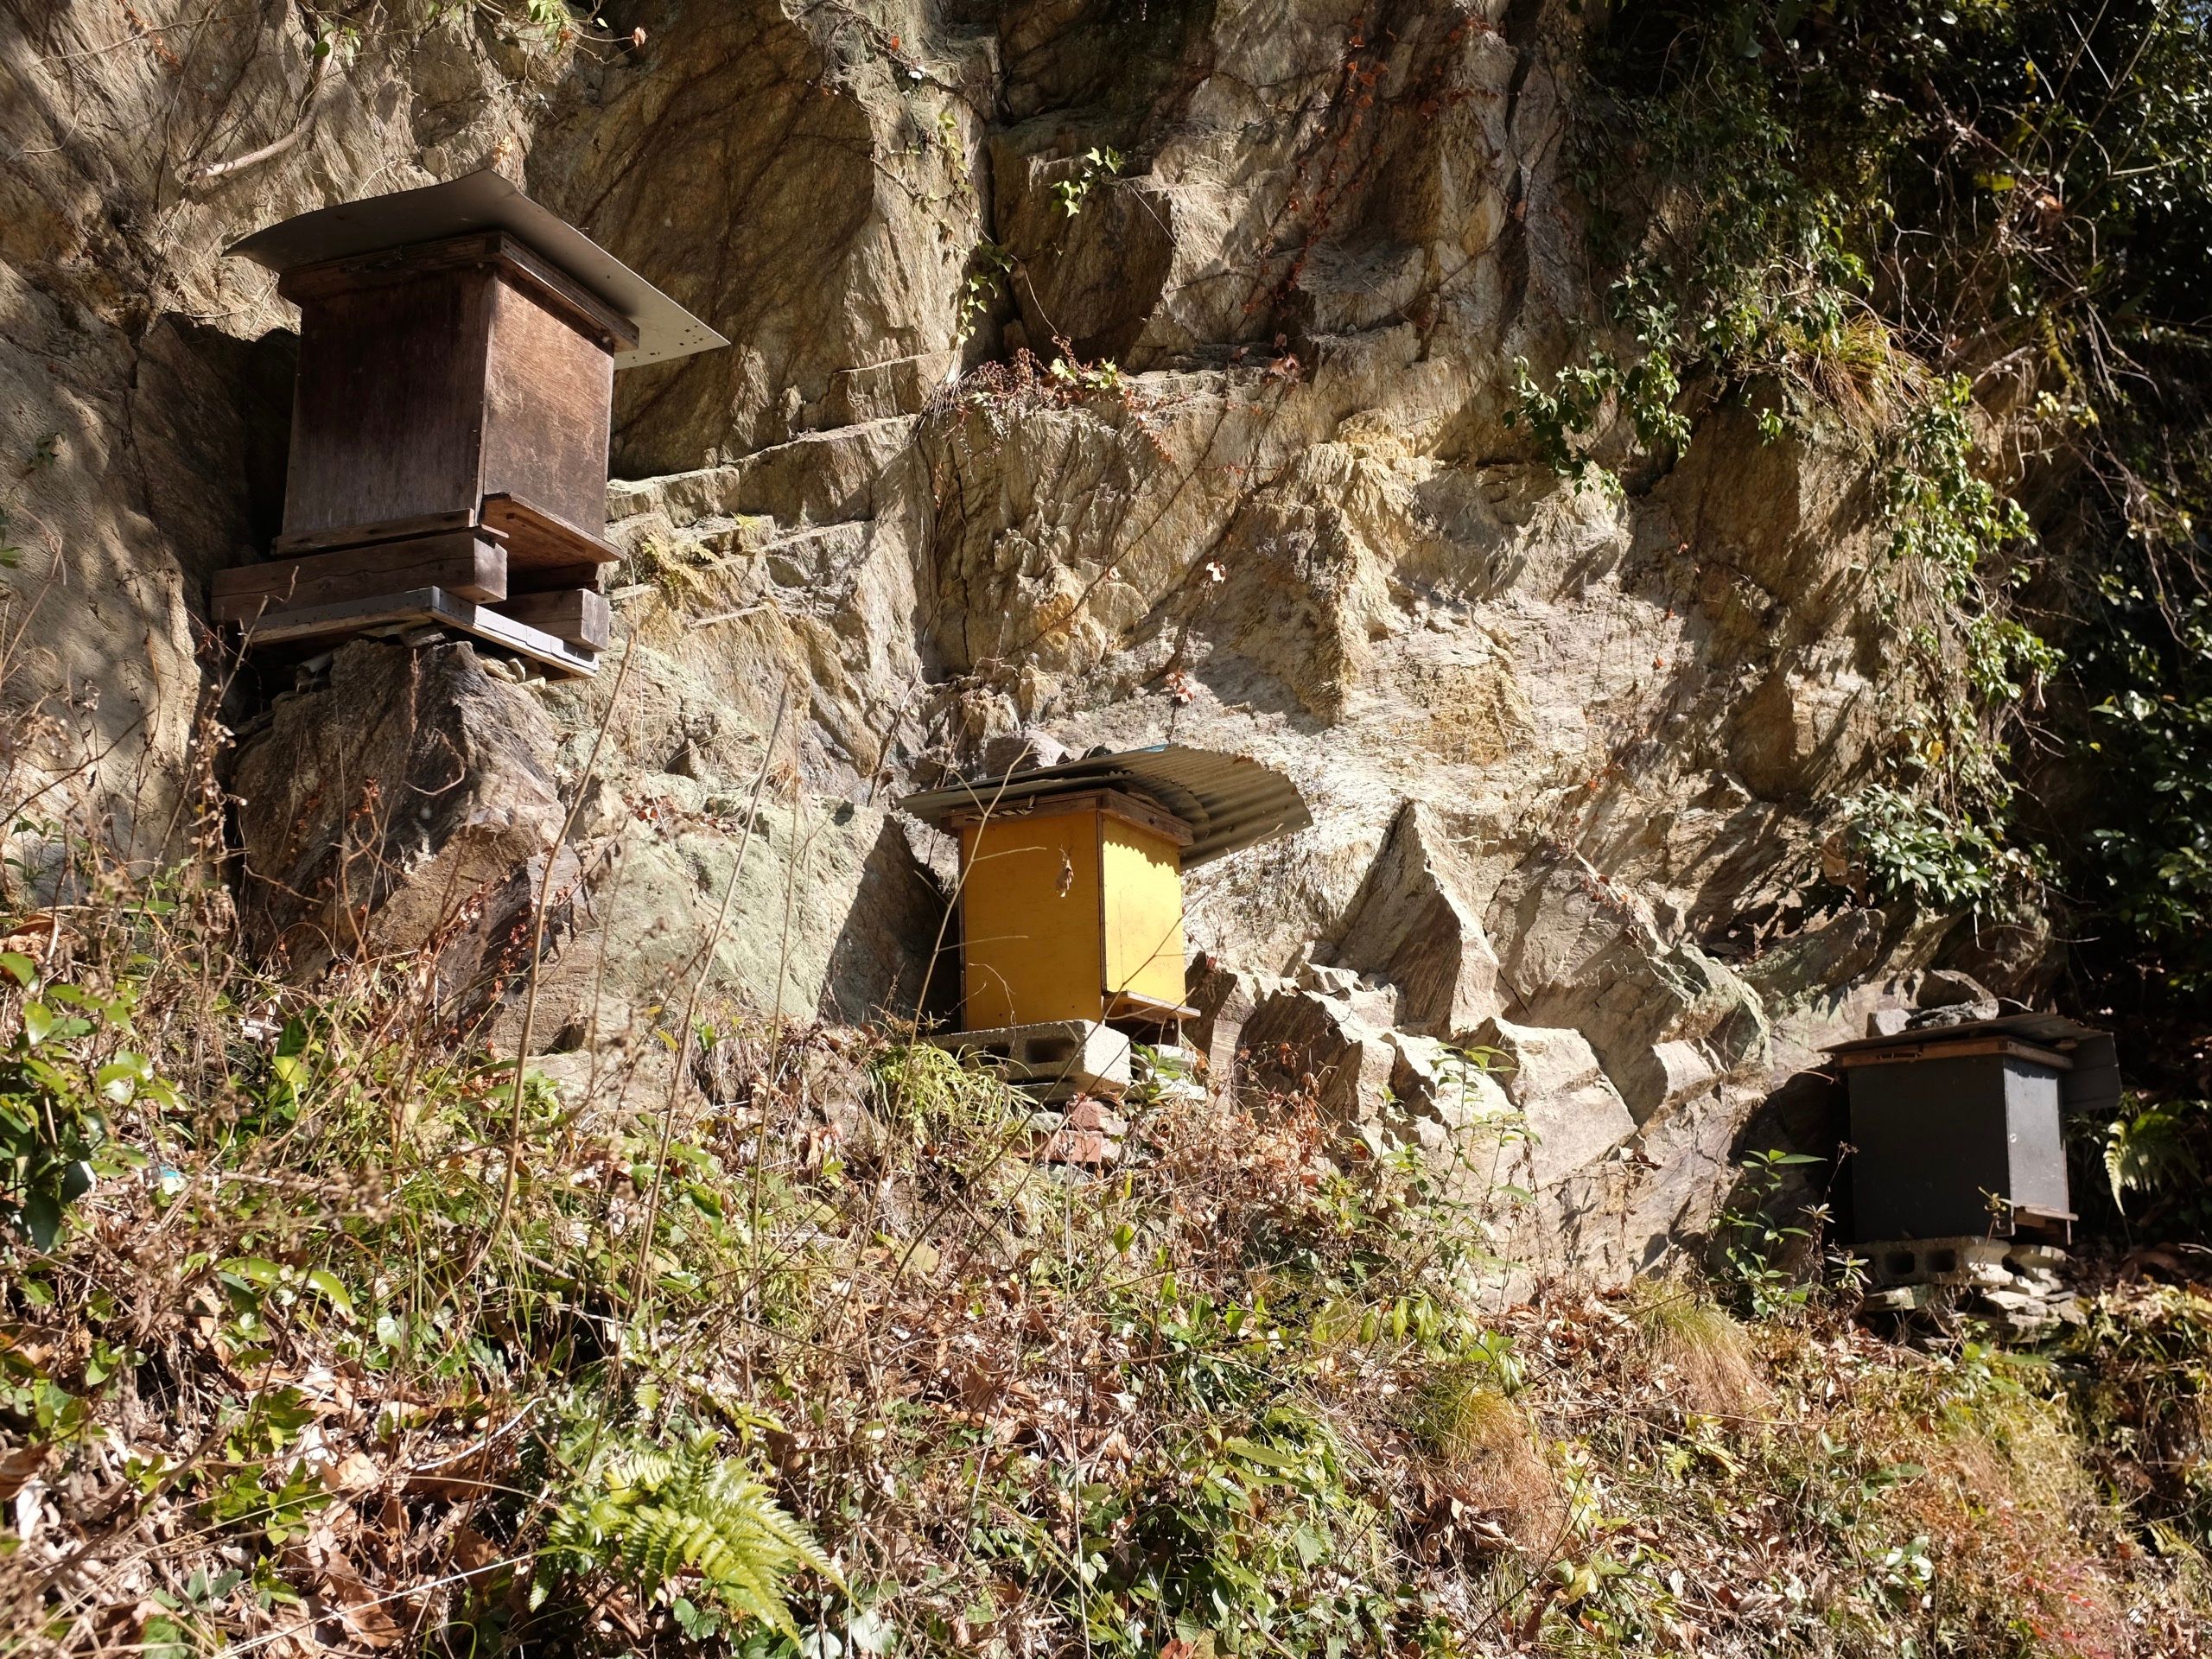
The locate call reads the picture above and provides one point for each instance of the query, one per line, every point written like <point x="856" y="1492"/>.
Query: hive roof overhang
<point x="2048" y="1029"/>
<point x="1229" y="801"/>
<point x="2093" y="1084"/>
<point x="483" y="201"/>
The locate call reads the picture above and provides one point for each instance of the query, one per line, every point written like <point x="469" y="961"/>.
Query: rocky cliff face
<point x="1569" y="752"/>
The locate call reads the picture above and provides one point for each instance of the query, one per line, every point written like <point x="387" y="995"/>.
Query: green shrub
<point x="73" y="1064"/>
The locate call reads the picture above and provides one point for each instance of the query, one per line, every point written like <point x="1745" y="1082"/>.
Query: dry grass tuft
<point x="2006" y="1502"/>
<point x="1484" y="1448"/>
<point x="1701" y="1349"/>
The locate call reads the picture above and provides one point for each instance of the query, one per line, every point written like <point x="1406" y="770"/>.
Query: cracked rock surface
<point x="1573" y="757"/>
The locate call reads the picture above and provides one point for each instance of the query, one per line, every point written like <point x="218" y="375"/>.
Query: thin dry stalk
<point x="520" y="1092"/>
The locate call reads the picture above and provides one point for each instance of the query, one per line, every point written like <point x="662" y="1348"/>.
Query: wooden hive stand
<point x="458" y="347"/>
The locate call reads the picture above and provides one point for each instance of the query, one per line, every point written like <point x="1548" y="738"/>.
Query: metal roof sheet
<point x="483" y="201"/>
<point x="1229" y="801"/>
<point x="2044" y="1028"/>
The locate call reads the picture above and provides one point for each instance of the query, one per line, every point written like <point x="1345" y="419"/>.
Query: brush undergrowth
<point x="807" y="1355"/>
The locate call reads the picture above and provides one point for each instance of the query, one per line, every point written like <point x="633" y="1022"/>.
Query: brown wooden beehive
<point x="458" y="347"/>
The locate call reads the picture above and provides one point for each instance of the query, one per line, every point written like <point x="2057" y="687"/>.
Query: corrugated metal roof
<point x="483" y="201"/>
<point x="1229" y="801"/>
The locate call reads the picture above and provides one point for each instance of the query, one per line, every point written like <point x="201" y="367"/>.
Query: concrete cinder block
<point x="1973" y="1262"/>
<point x="1068" y="1057"/>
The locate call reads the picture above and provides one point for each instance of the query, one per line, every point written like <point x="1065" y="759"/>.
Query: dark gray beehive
<point x="1957" y="1131"/>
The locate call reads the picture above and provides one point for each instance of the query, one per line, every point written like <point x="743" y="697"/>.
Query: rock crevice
<point x="1573" y="758"/>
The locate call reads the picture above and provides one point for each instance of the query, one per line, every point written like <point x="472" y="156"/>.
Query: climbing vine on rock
<point x="1971" y="238"/>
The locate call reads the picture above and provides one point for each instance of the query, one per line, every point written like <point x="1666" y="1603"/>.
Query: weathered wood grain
<point x="463" y="564"/>
<point x="459" y="382"/>
<point x="523" y="266"/>
<point x="397" y="529"/>
<point x="576" y="614"/>
<point x="388" y="412"/>
<point x="541" y="540"/>
<point x="549" y="394"/>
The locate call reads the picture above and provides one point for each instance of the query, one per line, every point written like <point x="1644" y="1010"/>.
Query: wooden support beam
<point x="576" y="614"/>
<point x="1906" y="1050"/>
<point x="551" y="578"/>
<point x="391" y="612"/>
<point x="392" y="530"/>
<point x="462" y="565"/>
<point x="1129" y="1004"/>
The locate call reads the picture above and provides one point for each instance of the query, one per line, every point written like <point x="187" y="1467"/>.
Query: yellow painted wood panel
<point x="1029" y="913"/>
<point x="1143" y="876"/>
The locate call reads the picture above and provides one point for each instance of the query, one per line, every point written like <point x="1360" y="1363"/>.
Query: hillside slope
<point x="1707" y="503"/>
<point x="1284" y="494"/>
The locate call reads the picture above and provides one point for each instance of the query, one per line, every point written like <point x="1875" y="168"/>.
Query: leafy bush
<point x="1259" y="1543"/>
<point x="2152" y="862"/>
<point x="1914" y="849"/>
<point x="1850" y="218"/>
<point x="1251" y="1391"/>
<point x="1756" y="1242"/>
<point x="70" y="1067"/>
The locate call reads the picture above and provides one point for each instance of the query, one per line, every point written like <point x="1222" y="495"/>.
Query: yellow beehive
<point x="1071" y="909"/>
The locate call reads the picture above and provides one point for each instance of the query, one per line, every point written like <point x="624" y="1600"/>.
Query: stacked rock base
<point x="2003" y="1282"/>
<point x="1084" y="1075"/>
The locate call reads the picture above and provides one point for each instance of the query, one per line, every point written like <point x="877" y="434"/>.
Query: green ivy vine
<point x="1845" y="218"/>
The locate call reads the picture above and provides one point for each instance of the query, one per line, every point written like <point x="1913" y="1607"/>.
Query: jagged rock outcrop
<point x="407" y="805"/>
<point x="1573" y="1114"/>
<point x="1414" y="922"/>
<point x="1328" y="1040"/>
<point x="810" y="179"/>
<point x="139" y="380"/>
<point x="1572" y="756"/>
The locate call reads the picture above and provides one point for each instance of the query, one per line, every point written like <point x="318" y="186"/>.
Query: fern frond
<point x="2154" y="1148"/>
<point x="661" y="1515"/>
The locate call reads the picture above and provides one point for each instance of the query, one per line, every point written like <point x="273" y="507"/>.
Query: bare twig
<point x="520" y="1094"/>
